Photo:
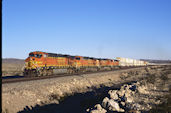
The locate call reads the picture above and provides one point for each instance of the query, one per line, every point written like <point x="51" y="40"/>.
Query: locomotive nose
<point x="30" y="63"/>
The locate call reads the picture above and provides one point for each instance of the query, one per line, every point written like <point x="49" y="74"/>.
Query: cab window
<point x="77" y="58"/>
<point x="31" y="55"/>
<point x="38" y="55"/>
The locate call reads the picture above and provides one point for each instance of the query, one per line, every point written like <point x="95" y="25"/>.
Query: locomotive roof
<point x="59" y="55"/>
<point x="70" y="56"/>
<point x="89" y="58"/>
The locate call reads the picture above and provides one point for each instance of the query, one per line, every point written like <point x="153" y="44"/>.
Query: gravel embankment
<point x="17" y="96"/>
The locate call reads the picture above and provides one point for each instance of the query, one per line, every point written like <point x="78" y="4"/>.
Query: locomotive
<point x="42" y="63"/>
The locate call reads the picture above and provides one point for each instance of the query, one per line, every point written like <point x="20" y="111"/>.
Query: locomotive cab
<point x="35" y="60"/>
<point x="78" y="60"/>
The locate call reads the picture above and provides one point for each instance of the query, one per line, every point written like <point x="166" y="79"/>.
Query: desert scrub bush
<point x="164" y="77"/>
<point x="147" y="69"/>
<point x="59" y="98"/>
<point x="151" y="78"/>
<point x="131" y="73"/>
<point x="123" y="76"/>
<point x="54" y="97"/>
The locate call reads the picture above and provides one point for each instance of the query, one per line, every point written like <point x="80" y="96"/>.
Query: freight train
<point x="42" y="63"/>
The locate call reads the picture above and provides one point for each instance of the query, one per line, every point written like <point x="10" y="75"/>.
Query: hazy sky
<point x="97" y="28"/>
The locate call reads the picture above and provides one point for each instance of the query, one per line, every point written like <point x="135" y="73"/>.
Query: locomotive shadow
<point x="11" y="77"/>
<point x="78" y="103"/>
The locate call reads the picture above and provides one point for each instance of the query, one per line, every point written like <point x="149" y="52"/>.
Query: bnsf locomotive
<point x="42" y="63"/>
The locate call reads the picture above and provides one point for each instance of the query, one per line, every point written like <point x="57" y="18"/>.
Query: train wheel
<point x="26" y="73"/>
<point x="40" y="72"/>
<point x="32" y="73"/>
<point x="111" y="68"/>
<point x="49" y="72"/>
<point x="84" y="70"/>
<point x="44" y="72"/>
<point x="69" y="71"/>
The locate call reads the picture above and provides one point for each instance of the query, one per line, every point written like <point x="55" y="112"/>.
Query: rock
<point x="88" y="110"/>
<point x="138" y="111"/>
<point x="113" y="94"/>
<point x="142" y="89"/>
<point x="129" y="99"/>
<point x="98" y="106"/>
<point x="124" y="86"/>
<point x="114" y="106"/>
<point x="121" y="92"/>
<point x="125" y="74"/>
<point x="122" y="103"/>
<point x="129" y="87"/>
<point x="133" y="87"/>
<point x="105" y="101"/>
<point x="38" y="100"/>
<point x="98" y="111"/>
<point x="149" y="106"/>
<point x="128" y="93"/>
<point x="137" y="83"/>
<point x="136" y="106"/>
<point x="134" y="111"/>
<point x="158" y="102"/>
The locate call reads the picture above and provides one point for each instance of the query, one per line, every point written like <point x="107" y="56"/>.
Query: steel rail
<point x="22" y="79"/>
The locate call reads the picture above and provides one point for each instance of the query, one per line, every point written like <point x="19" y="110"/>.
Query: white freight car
<point x="130" y="62"/>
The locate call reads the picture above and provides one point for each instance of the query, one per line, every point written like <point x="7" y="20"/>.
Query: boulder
<point x="122" y="103"/>
<point x="128" y="93"/>
<point x="98" y="106"/>
<point x="136" y="106"/>
<point x="124" y="86"/>
<point x="125" y="74"/>
<point x="105" y="101"/>
<point x="129" y="99"/>
<point x="121" y="92"/>
<point x="113" y="94"/>
<point x="133" y="87"/>
<point x="114" y="106"/>
<point x="142" y="89"/>
<point x="98" y="109"/>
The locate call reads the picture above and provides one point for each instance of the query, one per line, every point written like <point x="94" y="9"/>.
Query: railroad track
<point x="22" y="79"/>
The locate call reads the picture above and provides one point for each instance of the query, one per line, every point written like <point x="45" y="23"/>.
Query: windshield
<point x="31" y="55"/>
<point x="38" y="55"/>
<point x="35" y="55"/>
<point x="77" y="58"/>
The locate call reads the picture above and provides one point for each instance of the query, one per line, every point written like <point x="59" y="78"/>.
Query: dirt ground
<point x="27" y="96"/>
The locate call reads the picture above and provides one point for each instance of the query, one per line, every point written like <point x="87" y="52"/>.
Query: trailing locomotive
<point x="42" y="64"/>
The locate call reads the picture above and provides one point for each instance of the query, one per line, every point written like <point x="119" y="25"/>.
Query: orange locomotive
<point x="42" y="63"/>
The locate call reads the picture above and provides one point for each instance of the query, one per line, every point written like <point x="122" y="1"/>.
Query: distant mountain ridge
<point x="13" y="61"/>
<point x="156" y="61"/>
